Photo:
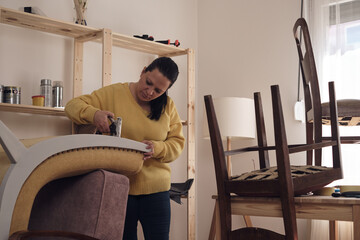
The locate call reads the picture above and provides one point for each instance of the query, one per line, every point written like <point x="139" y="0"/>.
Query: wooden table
<point x="307" y="207"/>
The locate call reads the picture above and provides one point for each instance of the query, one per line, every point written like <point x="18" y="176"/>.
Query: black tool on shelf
<point x="145" y="37"/>
<point x="176" y="43"/>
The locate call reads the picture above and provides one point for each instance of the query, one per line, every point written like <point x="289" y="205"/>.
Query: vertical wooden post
<point x="77" y="73"/>
<point x="106" y="57"/>
<point x="78" y="68"/>
<point x="191" y="142"/>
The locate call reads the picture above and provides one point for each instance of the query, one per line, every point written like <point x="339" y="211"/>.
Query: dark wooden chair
<point x="284" y="181"/>
<point x="318" y="113"/>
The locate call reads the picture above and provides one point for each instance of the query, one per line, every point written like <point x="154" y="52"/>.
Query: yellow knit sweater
<point x="166" y="133"/>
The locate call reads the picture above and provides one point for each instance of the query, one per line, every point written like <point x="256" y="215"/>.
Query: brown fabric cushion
<point x="93" y="204"/>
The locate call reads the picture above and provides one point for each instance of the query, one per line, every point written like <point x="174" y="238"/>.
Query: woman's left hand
<point x="150" y="145"/>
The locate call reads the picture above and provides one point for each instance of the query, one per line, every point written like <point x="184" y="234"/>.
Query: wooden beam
<point x="191" y="142"/>
<point x="78" y="68"/>
<point x="106" y="57"/>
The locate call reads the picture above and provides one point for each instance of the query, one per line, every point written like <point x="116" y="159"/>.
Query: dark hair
<point x="170" y="70"/>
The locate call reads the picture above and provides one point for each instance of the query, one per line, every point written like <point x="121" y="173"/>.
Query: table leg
<point x="213" y="226"/>
<point x="334" y="230"/>
<point x="248" y="221"/>
<point x="356" y="220"/>
<point x="217" y="222"/>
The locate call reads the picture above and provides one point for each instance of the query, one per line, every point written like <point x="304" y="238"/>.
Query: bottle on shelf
<point x="46" y="91"/>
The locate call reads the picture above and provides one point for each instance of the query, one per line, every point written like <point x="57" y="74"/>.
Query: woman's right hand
<point x="101" y="120"/>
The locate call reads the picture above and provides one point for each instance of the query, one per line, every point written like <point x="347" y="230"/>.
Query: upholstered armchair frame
<point x="25" y="162"/>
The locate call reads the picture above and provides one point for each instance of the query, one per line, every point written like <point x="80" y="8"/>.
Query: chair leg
<point x="248" y="221"/>
<point x="212" y="232"/>
<point x="334" y="230"/>
<point x="213" y="226"/>
<point x="217" y="221"/>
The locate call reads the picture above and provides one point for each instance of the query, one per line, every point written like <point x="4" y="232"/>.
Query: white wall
<point x="245" y="46"/>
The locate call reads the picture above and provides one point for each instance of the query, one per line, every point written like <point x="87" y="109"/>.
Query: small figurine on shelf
<point x="80" y="7"/>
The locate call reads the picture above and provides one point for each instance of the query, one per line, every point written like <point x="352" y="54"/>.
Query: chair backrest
<point x="313" y="109"/>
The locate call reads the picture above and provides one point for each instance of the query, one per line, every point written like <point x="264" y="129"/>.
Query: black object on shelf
<point x="355" y="194"/>
<point x="176" y="43"/>
<point x="178" y="190"/>
<point x="145" y="37"/>
<point x="28" y="9"/>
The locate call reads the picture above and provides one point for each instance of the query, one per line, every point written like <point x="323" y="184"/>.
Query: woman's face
<point x="152" y="84"/>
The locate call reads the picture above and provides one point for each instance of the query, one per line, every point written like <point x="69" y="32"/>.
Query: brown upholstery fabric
<point x="93" y="204"/>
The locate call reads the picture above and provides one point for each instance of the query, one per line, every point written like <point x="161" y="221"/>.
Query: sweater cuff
<point x="158" y="148"/>
<point x="89" y="114"/>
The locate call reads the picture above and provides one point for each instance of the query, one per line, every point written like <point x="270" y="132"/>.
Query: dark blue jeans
<point x="153" y="212"/>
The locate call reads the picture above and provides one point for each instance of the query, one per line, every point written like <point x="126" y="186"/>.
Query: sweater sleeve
<point x="81" y="110"/>
<point x="170" y="149"/>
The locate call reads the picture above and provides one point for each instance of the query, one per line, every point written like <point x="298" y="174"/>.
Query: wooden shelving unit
<point x="108" y="39"/>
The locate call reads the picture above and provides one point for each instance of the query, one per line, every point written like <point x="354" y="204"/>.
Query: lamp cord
<point x="301" y="15"/>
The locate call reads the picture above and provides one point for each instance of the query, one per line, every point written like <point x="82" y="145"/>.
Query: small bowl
<point x="38" y="100"/>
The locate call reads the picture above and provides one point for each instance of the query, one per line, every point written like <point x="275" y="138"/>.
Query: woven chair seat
<point x="348" y="112"/>
<point x="272" y="173"/>
<point x="343" y="121"/>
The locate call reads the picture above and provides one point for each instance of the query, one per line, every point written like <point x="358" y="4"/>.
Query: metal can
<point x="12" y="95"/>
<point x="1" y="93"/>
<point x="57" y="92"/>
<point x="46" y="90"/>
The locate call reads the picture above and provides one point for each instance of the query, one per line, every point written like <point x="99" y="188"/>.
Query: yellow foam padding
<point x="4" y="160"/>
<point x="71" y="163"/>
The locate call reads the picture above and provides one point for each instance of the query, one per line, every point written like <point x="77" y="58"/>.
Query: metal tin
<point x="12" y="95"/>
<point x="57" y="93"/>
<point x="1" y="93"/>
<point x="46" y="90"/>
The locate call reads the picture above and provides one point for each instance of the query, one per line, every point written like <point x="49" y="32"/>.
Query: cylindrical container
<point x="12" y="94"/>
<point x="1" y="93"/>
<point x="38" y="100"/>
<point x="57" y="92"/>
<point x="46" y="91"/>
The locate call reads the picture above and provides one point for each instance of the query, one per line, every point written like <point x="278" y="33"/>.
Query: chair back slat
<point x="335" y="136"/>
<point x="261" y="132"/>
<point x="311" y="88"/>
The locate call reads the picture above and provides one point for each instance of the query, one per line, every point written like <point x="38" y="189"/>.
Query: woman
<point x="150" y="116"/>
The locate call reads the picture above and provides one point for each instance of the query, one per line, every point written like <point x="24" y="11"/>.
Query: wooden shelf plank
<point x="146" y="46"/>
<point x="21" y="108"/>
<point x="85" y="33"/>
<point x="45" y="24"/>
